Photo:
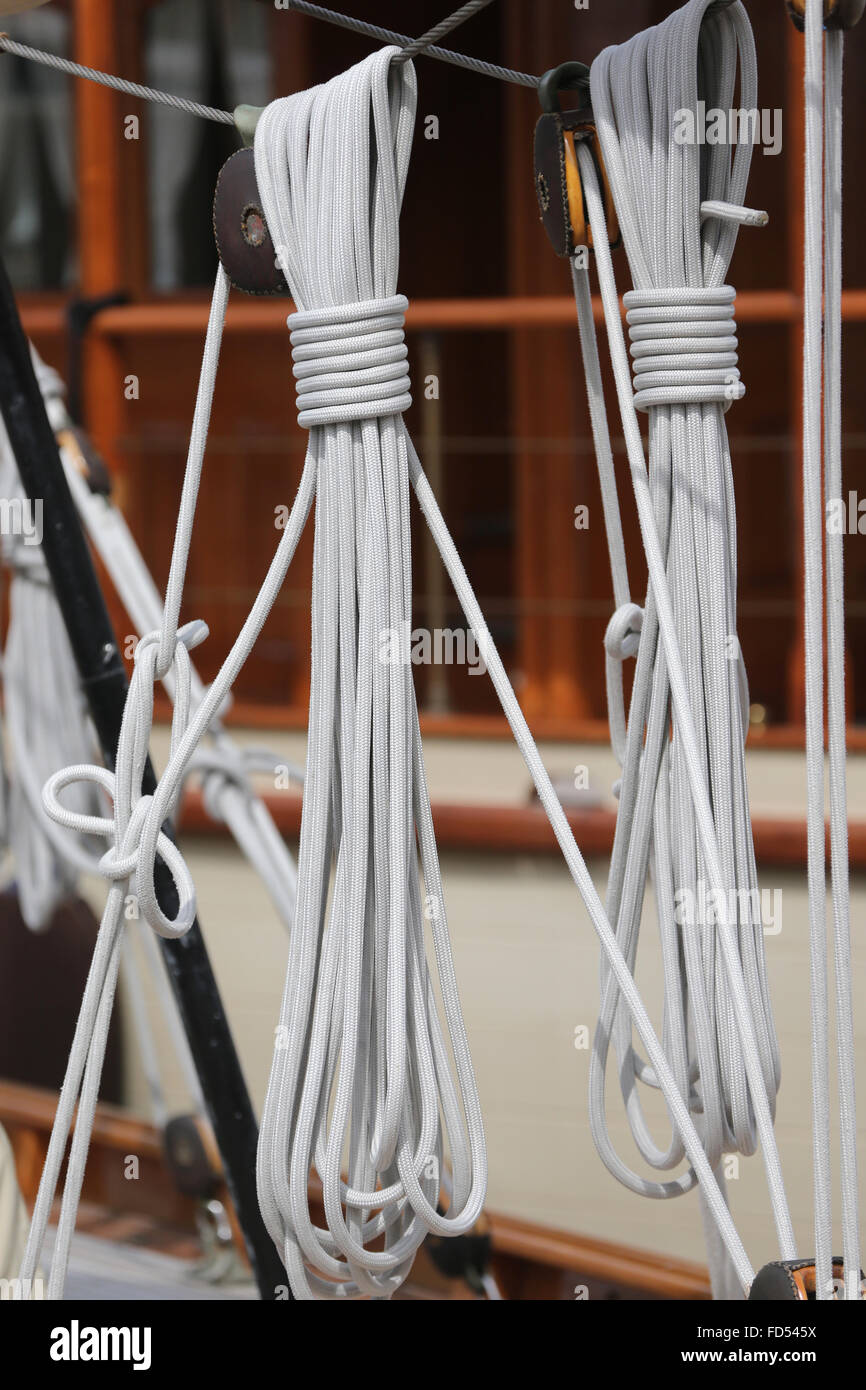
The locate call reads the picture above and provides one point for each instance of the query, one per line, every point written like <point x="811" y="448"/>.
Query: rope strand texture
<point x="684" y="814"/>
<point x="360" y="1073"/>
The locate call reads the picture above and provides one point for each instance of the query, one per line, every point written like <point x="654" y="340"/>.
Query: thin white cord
<point x="135" y="832"/>
<point x="813" y="553"/>
<point x="224" y="767"/>
<point x="822" y="391"/>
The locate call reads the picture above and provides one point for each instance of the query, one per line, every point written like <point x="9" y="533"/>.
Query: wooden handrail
<point x="507" y="829"/>
<point x="28" y="1112"/>
<point x="252" y="714"/>
<point x="180" y="313"/>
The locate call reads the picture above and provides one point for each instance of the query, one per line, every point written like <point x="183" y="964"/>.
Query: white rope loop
<point x="621" y="641"/>
<point x="135" y="831"/>
<point x="622" y="635"/>
<point x="350" y="362"/>
<point x="683" y="346"/>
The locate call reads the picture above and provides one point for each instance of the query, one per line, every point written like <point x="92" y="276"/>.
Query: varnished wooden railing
<point x="529" y="1261"/>
<point x="526" y="829"/>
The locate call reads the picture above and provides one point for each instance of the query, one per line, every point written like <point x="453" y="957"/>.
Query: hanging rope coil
<point x="683" y="815"/>
<point x="360" y="1072"/>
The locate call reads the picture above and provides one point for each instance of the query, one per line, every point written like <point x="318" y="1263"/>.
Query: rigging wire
<point x="445" y="55"/>
<point x="445" y="26"/>
<point x="425" y="45"/>
<point x="120" y="84"/>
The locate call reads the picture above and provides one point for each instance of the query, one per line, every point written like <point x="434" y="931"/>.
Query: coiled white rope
<point x="360" y="1072"/>
<point x="302" y="128"/>
<point x="822" y="424"/>
<point x="683" y="814"/>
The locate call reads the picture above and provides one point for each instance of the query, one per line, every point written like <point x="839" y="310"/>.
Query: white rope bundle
<point x="360" y="1073"/>
<point x="684" y="813"/>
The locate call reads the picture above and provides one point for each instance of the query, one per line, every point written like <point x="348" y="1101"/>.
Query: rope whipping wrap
<point x="822" y="426"/>
<point x="684" y="816"/>
<point x="360" y="1071"/>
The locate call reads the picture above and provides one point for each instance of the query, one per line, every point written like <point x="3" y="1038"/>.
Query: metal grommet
<point x="253" y="227"/>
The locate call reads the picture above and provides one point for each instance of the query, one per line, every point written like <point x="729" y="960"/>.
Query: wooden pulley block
<point x="557" y="174"/>
<point x="792" y="1281"/>
<point x="191" y="1156"/>
<point x="838" y="14"/>
<point x="88" y="462"/>
<point x="243" y="241"/>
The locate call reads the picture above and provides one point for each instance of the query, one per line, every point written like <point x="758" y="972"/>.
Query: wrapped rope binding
<point x="361" y="1071"/>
